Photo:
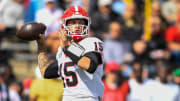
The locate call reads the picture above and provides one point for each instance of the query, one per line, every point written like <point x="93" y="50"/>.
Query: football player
<point x="79" y="60"/>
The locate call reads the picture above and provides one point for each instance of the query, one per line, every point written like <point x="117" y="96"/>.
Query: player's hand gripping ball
<point x="31" y="31"/>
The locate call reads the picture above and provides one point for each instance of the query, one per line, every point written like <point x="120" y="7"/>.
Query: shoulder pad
<point x="92" y="44"/>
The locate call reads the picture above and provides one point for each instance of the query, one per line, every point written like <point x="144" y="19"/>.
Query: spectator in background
<point x="52" y="42"/>
<point x="140" y="88"/>
<point x="46" y="90"/>
<point x="5" y="55"/>
<point x="102" y="18"/>
<point x="164" y="90"/>
<point x="176" y="75"/>
<point x="11" y="16"/>
<point x="114" y="46"/>
<point x="26" y="86"/>
<point x="169" y="10"/>
<point x="6" y="94"/>
<point x="67" y="3"/>
<point x="15" y="90"/>
<point x="140" y="52"/>
<point x="140" y="7"/>
<point x="31" y="7"/>
<point x="50" y="16"/>
<point x="9" y="77"/>
<point x="177" y="10"/>
<point x="157" y="48"/>
<point x="131" y="23"/>
<point x="2" y="4"/>
<point x="113" y="91"/>
<point x="157" y="33"/>
<point x="86" y="5"/>
<point x="173" y="40"/>
<point x="157" y="44"/>
<point x="156" y="11"/>
<point x="93" y="7"/>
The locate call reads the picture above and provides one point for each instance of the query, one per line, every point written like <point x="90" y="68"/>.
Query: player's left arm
<point x="88" y="61"/>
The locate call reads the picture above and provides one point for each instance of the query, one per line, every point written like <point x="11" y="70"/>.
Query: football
<point x="31" y="31"/>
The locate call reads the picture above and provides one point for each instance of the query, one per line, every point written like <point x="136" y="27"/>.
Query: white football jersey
<point x="78" y="83"/>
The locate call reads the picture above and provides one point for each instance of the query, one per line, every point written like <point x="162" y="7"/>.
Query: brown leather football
<point x="31" y="31"/>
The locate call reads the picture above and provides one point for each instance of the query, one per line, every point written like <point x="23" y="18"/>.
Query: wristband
<point x="74" y="51"/>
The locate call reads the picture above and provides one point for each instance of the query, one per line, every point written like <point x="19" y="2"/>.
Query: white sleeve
<point x="42" y="17"/>
<point x="3" y="4"/>
<point x="14" y="96"/>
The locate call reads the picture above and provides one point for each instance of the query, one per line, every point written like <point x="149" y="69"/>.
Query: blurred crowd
<point x="135" y="69"/>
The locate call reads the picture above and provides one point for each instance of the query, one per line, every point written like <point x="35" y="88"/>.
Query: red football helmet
<point x="76" y="12"/>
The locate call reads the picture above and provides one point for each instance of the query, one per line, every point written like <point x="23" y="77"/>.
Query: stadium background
<point x="137" y="34"/>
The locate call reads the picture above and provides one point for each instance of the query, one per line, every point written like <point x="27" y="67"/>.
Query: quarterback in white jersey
<point x="77" y="81"/>
<point x="79" y="59"/>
